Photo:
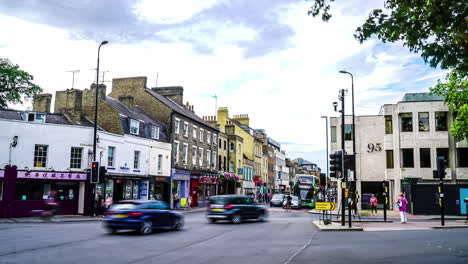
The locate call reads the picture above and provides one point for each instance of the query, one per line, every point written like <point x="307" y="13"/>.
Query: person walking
<point x="188" y="205"/>
<point x="176" y="200"/>
<point x="374" y="204"/>
<point x="401" y="204"/>
<point x="288" y="202"/>
<point x="98" y="204"/>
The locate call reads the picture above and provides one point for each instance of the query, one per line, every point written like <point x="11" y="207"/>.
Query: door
<point x="194" y="192"/>
<point x="463" y="196"/>
<point x="118" y="190"/>
<point x="67" y="197"/>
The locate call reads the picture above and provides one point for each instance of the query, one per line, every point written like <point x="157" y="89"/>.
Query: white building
<point x="401" y="146"/>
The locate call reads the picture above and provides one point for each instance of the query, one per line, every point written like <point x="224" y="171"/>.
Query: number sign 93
<point x="371" y="147"/>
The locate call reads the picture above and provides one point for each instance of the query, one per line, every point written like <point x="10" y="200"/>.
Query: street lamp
<point x="352" y="106"/>
<point x="326" y="144"/>
<point x="96" y="102"/>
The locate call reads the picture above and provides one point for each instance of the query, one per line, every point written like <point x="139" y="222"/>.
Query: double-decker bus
<point x="304" y="187"/>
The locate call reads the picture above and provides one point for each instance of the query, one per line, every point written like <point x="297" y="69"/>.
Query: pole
<point x="441" y="193"/>
<point x="344" y="176"/>
<point x="386" y="201"/>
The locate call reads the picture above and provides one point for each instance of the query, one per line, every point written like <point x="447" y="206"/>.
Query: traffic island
<point x="334" y="227"/>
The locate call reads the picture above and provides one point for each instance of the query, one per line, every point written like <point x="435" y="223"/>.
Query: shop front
<point x="125" y="187"/>
<point x="180" y="183"/>
<point x="160" y="188"/>
<point x="227" y="183"/>
<point x="28" y="192"/>
<point x="206" y="189"/>
<point x="249" y="188"/>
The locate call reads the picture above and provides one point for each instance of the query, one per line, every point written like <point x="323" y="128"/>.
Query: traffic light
<point x="442" y="164"/>
<point x="336" y="164"/>
<point x="259" y="184"/>
<point x="95" y="172"/>
<point x="349" y="162"/>
<point x="102" y="174"/>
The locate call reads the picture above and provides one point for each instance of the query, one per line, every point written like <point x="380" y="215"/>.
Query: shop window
<point x="75" y="157"/>
<point x="40" y="156"/>
<point x="154" y="132"/>
<point x="441" y="121"/>
<point x="423" y="122"/>
<point x="443" y="152"/>
<point x="408" y="158"/>
<point x="134" y="127"/>
<point x="333" y="133"/>
<point x="462" y="156"/>
<point x="406" y="122"/>
<point x="425" y="157"/>
<point x="185" y="129"/>
<point x="348" y="132"/>
<point x="176" y="126"/>
<point x="160" y="157"/>
<point x="29" y="190"/>
<point x="136" y="160"/>
<point x="185" y="153"/>
<point x="110" y="156"/>
<point x="388" y="124"/>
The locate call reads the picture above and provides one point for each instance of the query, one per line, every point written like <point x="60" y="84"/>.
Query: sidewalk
<point x="71" y="218"/>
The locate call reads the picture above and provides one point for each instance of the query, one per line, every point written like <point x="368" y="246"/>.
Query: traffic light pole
<point x="386" y="201"/>
<point x="343" y="170"/>
<point x="441" y="166"/>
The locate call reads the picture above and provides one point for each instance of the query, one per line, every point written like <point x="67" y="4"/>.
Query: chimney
<point x="127" y="86"/>
<point x="243" y="119"/>
<point x="127" y="101"/>
<point x="175" y="93"/>
<point x="89" y="98"/>
<point x="42" y="102"/>
<point x="70" y="100"/>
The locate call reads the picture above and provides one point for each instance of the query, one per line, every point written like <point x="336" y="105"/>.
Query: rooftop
<point x="421" y="97"/>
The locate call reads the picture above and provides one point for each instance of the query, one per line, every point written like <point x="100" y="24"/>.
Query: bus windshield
<point x="306" y="194"/>
<point x="306" y="180"/>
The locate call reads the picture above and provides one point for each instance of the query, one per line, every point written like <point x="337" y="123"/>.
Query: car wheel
<point x="146" y="228"/>
<point x="179" y="224"/>
<point x="236" y="219"/>
<point x="212" y="221"/>
<point x="111" y="230"/>
<point x="271" y="205"/>
<point x="261" y="217"/>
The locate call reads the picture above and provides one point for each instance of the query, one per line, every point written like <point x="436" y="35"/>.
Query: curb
<point x="336" y="229"/>
<point x="366" y="221"/>
<point x="449" y="227"/>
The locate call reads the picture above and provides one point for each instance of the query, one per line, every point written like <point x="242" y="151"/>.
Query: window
<point x="231" y="166"/>
<point x="443" y="152"/>
<point x="175" y="151"/>
<point x="441" y="121"/>
<point x="194" y="132"/>
<point x="75" y="158"/>
<point x="388" y="124"/>
<point x="36" y="117"/>
<point x="208" y="158"/>
<point x="239" y="149"/>
<point x="160" y="157"/>
<point x="214" y="160"/>
<point x="110" y="156"/>
<point x="208" y="137"/>
<point x="136" y="160"/>
<point x="176" y="126"/>
<point x="231" y="147"/>
<point x="185" y="129"/>
<point x="333" y="134"/>
<point x="224" y="163"/>
<point x="194" y="155"/>
<point x="215" y="139"/>
<point x="154" y="132"/>
<point x="219" y="143"/>
<point x="408" y="158"/>
<point x="134" y="127"/>
<point x="185" y="153"/>
<point x="425" y="157"/>
<point x="406" y="122"/>
<point x="40" y="156"/>
<point x="200" y="156"/>
<point x="348" y="132"/>
<point x="389" y="154"/>
<point x="201" y="135"/>
<point x="224" y="144"/>
<point x="462" y="156"/>
<point x="423" y="121"/>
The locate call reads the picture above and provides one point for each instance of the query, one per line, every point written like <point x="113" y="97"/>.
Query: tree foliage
<point x="15" y="84"/>
<point x="455" y="92"/>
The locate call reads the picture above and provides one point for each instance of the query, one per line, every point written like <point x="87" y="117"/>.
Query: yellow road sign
<point x="325" y="206"/>
<point x="346" y="192"/>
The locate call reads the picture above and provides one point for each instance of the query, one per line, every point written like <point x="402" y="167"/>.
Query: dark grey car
<point x="277" y="200"/>
<point x="234" y="208"/>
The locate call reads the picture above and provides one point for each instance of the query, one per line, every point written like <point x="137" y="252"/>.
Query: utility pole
<point x="343" y="169"/>
<point x="73" y="77"/>
<point x="442" y="164"/>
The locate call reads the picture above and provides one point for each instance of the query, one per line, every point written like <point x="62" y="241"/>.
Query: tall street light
<point x="326" y="144"/>
<point x="96" y="102"/>
<point x="354" y="134"/>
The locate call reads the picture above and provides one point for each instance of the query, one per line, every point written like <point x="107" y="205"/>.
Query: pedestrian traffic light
<point x="336" y="164"/>
<point x="442" y="164"/>
<point x="95" y="172"/>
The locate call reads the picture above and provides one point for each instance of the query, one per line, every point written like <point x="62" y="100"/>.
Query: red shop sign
<point x="207" y="180"/>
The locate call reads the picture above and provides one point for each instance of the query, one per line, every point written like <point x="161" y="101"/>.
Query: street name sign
<point x="325" y="206"/>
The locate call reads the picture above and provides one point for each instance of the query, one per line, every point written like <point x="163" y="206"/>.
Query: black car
<point x="234" y="208"/>
<point x="143" y="216"/>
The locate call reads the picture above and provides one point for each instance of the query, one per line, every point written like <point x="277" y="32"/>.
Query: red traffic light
<point x="94" y="165"/>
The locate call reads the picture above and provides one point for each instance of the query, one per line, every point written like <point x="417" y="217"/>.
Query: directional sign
<point x="325" y="206"/>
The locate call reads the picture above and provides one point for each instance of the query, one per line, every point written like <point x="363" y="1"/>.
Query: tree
<point x="15" y="84"/>
<point x="438" y="29"/>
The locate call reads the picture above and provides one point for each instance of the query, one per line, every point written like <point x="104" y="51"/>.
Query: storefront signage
<point x="162" y="179"/>
<point x="181" y="177"/>
<point x="207" y="180"/>
<point x="47" y="175"/>
<point x="125" y="168"/>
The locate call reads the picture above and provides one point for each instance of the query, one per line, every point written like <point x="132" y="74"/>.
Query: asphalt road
<point x="287" y="237"/>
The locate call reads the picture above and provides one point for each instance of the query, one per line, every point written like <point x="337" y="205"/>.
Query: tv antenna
<point x="73" y="78"/>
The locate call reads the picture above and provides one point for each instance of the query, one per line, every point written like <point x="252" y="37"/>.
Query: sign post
<point x="385" y="194"/>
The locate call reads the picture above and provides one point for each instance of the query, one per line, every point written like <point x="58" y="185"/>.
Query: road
<point x="287" y="237"/>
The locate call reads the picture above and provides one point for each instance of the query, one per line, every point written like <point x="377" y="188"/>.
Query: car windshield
<point x="278" y="196"/>
<point x="124" y="206"/>
<point x="218" y="200"/>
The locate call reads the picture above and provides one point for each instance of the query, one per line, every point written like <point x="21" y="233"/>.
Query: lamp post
<point x="352" y="106"/>
<point x="326" y="144"/>
<point x="96" y="102"/>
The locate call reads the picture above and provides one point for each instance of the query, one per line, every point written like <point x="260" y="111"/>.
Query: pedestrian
<point x="51" y="206"/>
<point x="98" y="204"/>
<point x="288" y="202"/>
<point x="109" y="201"/>
<point x="374" y="204"/>
<point x="188" y="205"/>
<point x="176" y="201"/>
<point x="401" y="204"/>
<point x="356" y="201"/>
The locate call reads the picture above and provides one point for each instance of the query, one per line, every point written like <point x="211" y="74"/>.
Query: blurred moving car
<point x="277" y="200"/>
<point x="294" y="202"/>
<point x="143" y="216"/>
<point x="234" y="208"/>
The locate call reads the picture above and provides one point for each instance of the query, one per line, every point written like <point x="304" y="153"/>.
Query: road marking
<point x="301" y="249"/>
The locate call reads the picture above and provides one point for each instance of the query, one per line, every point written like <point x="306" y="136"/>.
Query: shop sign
<point x="44" y="175"/>
<point x="2" y="173"/>
<point x="207" y="180"/>
<point x="181" y="177"/>
<point x="161" y="179"/>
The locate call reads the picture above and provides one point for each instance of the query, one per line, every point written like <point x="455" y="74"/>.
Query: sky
<point x="264" y="58"/>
